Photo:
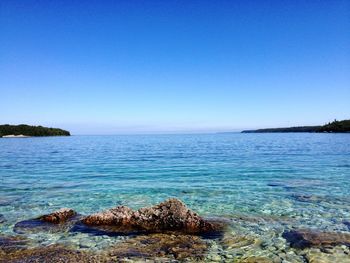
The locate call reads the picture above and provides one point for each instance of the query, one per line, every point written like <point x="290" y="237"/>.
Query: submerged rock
<point x="5" y="201"/>
<point x="347" y="223"/>
<point x="156" y="247"/>
<point x="59" y="221"/>
<point x="230" y="241"/>
<point x="54" y="253"/>
<point x="36" y="225"/>
<point x="307" y="198"/>
<point x="171" y="215"/>
<point x="2" y="219"/>
<point x="254" y="259"/>
<point x="164" y="246"/>
<point x="9" y="244"/>
<point x="292" y="184"/>
<point x="310" y="198"/>
<point x="337" y="254"/>
<point x="58" y="216"/>
<point x="260" y="219"/>
<point x="308" y="238"/>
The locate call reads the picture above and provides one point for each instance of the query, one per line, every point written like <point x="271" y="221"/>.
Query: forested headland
<point x="28" y="130"/>
<point x="335" y="126"/>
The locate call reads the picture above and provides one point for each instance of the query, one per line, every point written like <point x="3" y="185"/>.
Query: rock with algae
<point x="156" y="247"/>
<point x="163" y="246"/>
<point x="171" y="215"/>
<point x="49" y="254"/>
<point x="17" y="249"/>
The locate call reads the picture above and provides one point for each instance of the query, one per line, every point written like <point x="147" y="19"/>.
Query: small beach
<point x="15" y="136"/>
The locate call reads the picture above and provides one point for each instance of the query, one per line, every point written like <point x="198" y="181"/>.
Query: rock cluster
<point x="171" y="215"/>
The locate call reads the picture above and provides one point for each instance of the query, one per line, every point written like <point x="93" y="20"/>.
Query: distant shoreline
<point x="333" y="127"/>
<point x="24" y="131"/>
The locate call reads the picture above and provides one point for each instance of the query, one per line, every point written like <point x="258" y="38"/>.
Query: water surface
<point x="299" y="180"/>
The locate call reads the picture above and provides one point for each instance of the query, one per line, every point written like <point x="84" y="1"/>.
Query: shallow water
<point x="262" y="183"/>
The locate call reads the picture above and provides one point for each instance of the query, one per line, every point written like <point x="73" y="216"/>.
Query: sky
<point x="111" y="67"/>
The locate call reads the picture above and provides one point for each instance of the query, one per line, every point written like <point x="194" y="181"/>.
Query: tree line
<point x="335" y="126"/>
<point x="28" y="130"/>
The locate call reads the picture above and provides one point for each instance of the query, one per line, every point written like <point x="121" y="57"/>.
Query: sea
<point x="261" y="184"/>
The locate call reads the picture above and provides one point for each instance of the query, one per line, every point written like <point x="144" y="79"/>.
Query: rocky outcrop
<point x="58" y="216"/>
<point x="308" y="238"/>
<point x="171" y="215"/>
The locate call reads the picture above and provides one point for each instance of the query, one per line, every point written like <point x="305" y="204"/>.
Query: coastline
<point x="332" y="127"/>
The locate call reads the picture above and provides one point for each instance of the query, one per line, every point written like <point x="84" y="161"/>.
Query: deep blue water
<point x="221" y="175"/>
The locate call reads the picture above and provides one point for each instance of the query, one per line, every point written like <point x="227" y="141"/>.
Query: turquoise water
<point x="232" y="176"/>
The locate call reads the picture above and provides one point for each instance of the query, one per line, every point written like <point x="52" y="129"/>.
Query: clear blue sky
<point x="102" y="67"/>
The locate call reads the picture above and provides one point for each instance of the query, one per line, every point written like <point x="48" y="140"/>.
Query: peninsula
<point x="335" y="127"/>
<point x="22" y="130"/>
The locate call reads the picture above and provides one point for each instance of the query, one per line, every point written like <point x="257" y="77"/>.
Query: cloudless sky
<point x="109" y="67"/>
